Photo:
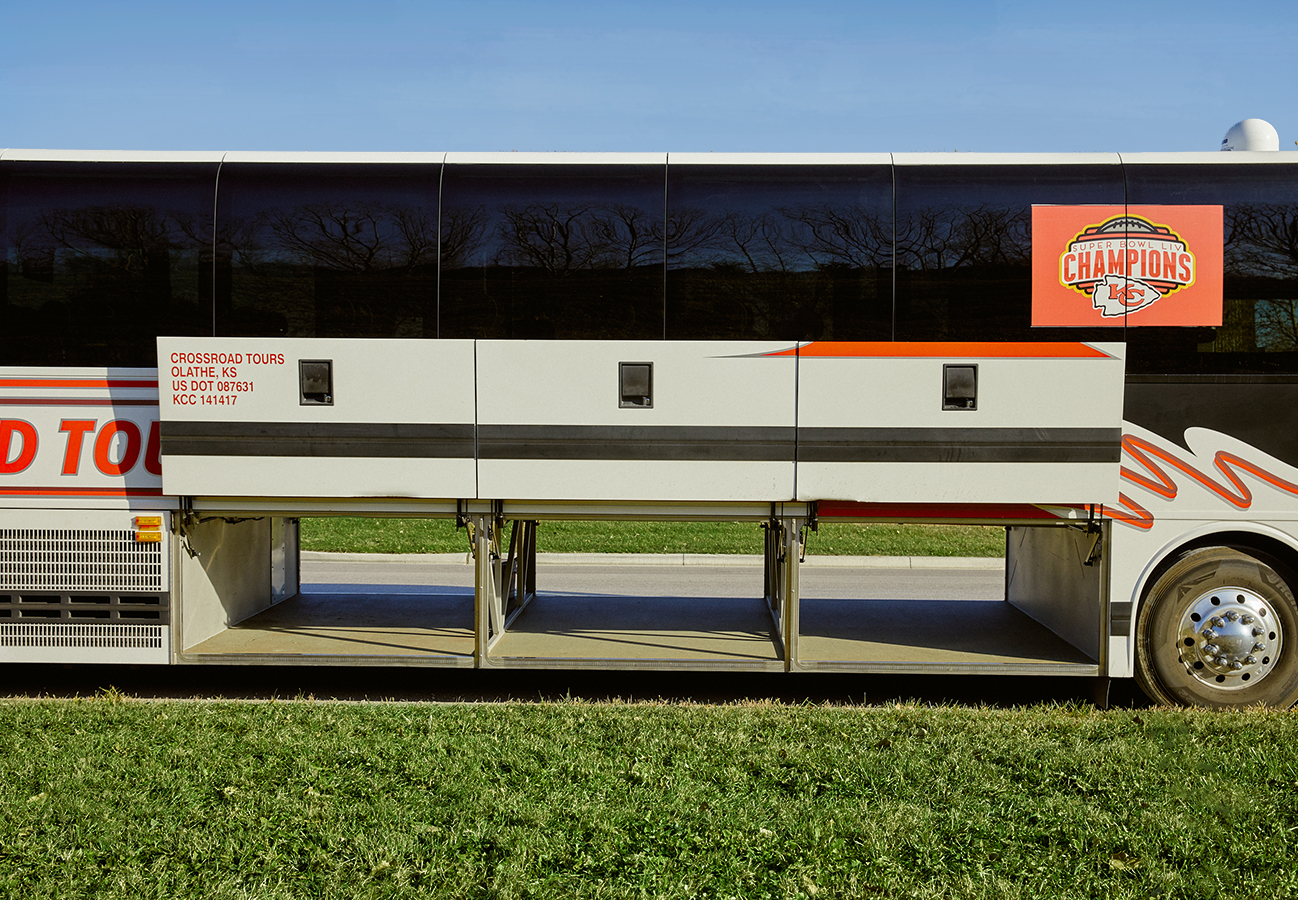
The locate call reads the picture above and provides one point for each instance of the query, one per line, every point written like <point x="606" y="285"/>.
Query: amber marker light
<point x="150" y="529"/>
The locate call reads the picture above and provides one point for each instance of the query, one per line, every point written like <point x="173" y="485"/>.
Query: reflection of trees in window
<point x="575" y="269"/>
<point x="964" y="272"/>
<point x="782" y="240"/>
<point x="689" y="231"/>
<point x="95" y="284"/>
<point x="366" y="237"/>
<point x="463" y="232"/>
<point x="1276" y="324"/>
<point x="759" y="242"/>
<point x="846" y="236"/>
<point x="127" y="246"/>
<point x="950" y="238"/>
<point x="1262" y="239"/>
<point x="358" y="269"/>
<point x="785" y="273"/>
<point x="731" y="275"/>
<point x="129" y="241"/>
<point x="33" y="252"/>
<point x="1261" y="264"/>
<point x="559" y="239"/>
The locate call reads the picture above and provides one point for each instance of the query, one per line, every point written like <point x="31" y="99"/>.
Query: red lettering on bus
<point x="26" y="446"/>
<point x="75" y="429"/>
<point x="104" y="443"/>
<point x="153" y="453"/>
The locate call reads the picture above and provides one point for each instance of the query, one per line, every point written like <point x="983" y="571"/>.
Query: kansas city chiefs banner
<point x="1126" y="265"/>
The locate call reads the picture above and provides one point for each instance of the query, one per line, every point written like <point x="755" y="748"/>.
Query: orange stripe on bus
<point x="80" y="492"/>
<point x="78" y="401"/>
<point x="74" y="382"/>
<point x="833" y="509"/>
<point x="947" y="350"/>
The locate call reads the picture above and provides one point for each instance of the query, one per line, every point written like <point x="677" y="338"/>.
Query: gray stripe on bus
<point x="314" y="439"/>
<point x="644" y="442"/>
<point x="638" y="442"/>
<point x="956" y="445"/>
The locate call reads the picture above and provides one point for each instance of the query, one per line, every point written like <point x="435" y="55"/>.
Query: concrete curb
<point x="676" y="559"/>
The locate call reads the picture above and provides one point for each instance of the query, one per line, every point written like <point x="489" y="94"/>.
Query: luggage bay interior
<point x="507" y="609"/>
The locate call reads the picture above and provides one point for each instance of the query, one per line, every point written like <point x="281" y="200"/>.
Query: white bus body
<point x="782" y="340"/>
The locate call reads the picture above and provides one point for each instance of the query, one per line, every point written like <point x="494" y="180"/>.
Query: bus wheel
<point x="1220" y="629"/>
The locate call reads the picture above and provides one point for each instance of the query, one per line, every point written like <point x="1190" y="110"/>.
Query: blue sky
<point x="913" y="75"/>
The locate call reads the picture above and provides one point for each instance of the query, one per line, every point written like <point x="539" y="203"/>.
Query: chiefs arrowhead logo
<point x="1117" y="295"/>
<point x="1125" y="264"/>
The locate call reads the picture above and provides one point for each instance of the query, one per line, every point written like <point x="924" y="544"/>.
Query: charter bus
<point x="1096" y="352"/>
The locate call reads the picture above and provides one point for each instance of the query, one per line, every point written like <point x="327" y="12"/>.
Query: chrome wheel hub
<point x="1229" y="638"/>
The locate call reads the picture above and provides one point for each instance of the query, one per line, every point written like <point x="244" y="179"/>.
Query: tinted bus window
<point x="100" y="258"/>
<point x="964" y="247"/>
<point x="779" y="252"/>
<point x="1259" y="330"/>
<point x="552" y="251"/>
<point x="327" y="250"/>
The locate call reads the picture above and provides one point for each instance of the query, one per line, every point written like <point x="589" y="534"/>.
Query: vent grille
<point x="107" y="636"/>
<point x="88" y="608"/>
<point x="78" y="559"/>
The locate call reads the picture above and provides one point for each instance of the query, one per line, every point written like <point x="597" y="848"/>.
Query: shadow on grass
<point x="451" y="685"/>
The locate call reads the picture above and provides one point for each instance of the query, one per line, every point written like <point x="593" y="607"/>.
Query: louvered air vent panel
<point x="125" y="637"/>
<point x="69" y="560"/>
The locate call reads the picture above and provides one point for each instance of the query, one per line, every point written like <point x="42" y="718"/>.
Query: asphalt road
<point x="667" y="580"/>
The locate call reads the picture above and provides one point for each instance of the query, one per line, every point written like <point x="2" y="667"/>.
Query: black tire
<point x="1200" y="626"/>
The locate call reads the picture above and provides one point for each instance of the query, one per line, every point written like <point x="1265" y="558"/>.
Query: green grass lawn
<point x="119" y="798"/>
<point x="360" y="535"/>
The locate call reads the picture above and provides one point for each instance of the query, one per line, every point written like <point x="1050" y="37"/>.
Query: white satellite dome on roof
<point x="1251" y="134"/>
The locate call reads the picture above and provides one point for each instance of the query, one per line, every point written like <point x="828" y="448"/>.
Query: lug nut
<point x="1218" y="621"/>
<point x="1259" y="647"/>
<point x="1258" y="632"/>
<point x="1208" y="634"/>
<point x="1233" y="616"/>
<point x="1250" y="660"/>
<point x="1211" y="649"/>
<point x="1221" y="661"/>
<point x="1247" y="620"/>
<point x="1237" y="665"/>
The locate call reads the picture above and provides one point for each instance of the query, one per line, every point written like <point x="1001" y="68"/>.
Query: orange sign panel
<point x="1126" y="265"/>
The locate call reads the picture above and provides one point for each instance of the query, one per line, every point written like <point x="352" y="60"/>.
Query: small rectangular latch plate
<point x="315" y="378"/>
<point x="635" y="385"/>
<point x="960" y="386"/>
